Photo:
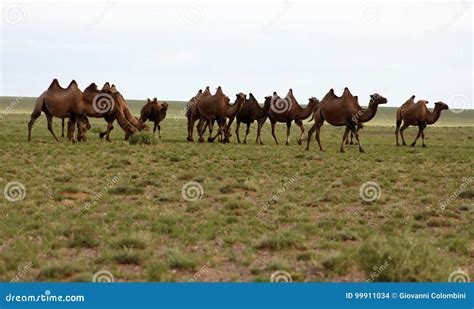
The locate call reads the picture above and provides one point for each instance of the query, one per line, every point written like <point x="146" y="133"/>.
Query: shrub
<point x="143" y="137"/>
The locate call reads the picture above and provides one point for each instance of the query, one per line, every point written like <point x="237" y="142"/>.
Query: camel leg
<point x="344" y="138"/>
<point x="310" y="133"/>
<point x="154" y="127"/>
<point x="49" y="117"/>
<point x="247" y="133"/>
<point x="71" y="127"/>
<point x="200" y="129"/>
<point x="357" y="139"/>
<point x="299" y="122"/>
<point x="318" y="131"/>
<point x="210" y="125"/>
<point x="34" y="116"/>
<point x="404" y="126"/>
<point x="423" y="135"/>
<point x="259" y="131"/>
<point x="288" y="127"/>
<point x="62" y="126"/>
<point x="273" y="130"/>
<point x="420" y="129"/>
<point x="397" y="129"/>
<point x="191" y="129"/>
<point x="159" y="131"/>
<point x="237" y="129"/>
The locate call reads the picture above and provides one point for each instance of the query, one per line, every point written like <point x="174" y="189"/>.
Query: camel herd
<point x="207" y="109"/>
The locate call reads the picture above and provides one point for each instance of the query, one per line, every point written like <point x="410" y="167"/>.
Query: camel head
<point x="441" y="105"/>
<point x="313" y="101"/>
<point x="377" y="99"/>
<point x="240" y="98"/>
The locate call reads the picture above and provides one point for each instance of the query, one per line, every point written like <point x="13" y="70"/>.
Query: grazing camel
<point x="119" y="100"/>
<point x="217" y="108"/>
<point x="417" y="114"/>
<point x="155" y="111"/>
<point x="73" y="104"/>
<point x="343" y="111"/>
<point x="250" y="112"/>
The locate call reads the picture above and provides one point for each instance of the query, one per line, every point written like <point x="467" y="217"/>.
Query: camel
<point x="217" y="108"/>
<point x="58" y="102"/>
<point x="154" y="111"/>
<point x="417" y="114"/>
<point x="250" y="112"/>
<point x="343" y="111"/>
<point x="74" y="104"/>
<point x="122" y="105"/>
<point x="192" y="113"/>
<point x="287" y="110"/>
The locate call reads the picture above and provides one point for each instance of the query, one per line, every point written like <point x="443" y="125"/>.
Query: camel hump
<point x="275" y="93"/>
<point x="54" y="83"/>
<point x="219" y="91"/>
<point x="106" y="86"/>
<point x="73" y="83"/>
<point x="251" y="95"/>
<point x="347" y="93"/>
<point x="91" y="87"/>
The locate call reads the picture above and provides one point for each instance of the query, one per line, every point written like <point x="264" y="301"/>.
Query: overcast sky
<point x="171" y="49"/>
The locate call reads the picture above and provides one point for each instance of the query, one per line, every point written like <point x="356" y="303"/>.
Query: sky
<point x="171" y="49"/>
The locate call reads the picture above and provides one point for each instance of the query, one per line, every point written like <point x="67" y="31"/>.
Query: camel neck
<point x="305" y="112"/>
<point x="433" y="116"/>
<point x="368" y="113"/>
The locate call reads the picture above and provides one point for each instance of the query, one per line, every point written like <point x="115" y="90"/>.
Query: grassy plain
<point x="118" y="207"/>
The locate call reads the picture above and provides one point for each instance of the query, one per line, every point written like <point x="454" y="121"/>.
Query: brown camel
<point x="288" y="110"/>
<point x="417" y="114"/>
<point x="155" y="111"/>
<point x="217" y="108"/>
<point x="343" y="111"/>
<point x="250" y="112"/>
<point x="192" y="113"/>
<point x="73" y="104"/>
<point x="59" y="102"/>
<point x="119" y="100"/>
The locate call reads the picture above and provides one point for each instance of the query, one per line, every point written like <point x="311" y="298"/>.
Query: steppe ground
<point x="99" y="206"/>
